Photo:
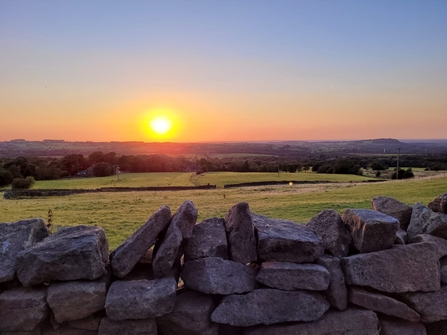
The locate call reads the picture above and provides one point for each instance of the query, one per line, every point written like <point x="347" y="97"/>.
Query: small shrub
<point x="23" y="183"/>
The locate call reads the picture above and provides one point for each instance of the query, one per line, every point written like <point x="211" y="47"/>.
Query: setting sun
<point x="160" y="125"/>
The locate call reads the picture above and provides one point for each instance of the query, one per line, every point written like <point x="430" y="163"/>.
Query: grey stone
<point x="126" y="256"/>
<point x="336" y="237"/>
<point x="349" y="322"/>
<point x="64" y="330"/>
<point x="140" y="299"/>
<point x="208" y="240"/>
<point x="401" y="237"/>
<point x="268" y="306"/>
<point x="439" y="204"/>
<point x="370" y="229"/>
<point x="286" y="241"/>
<point x="76" y="299"/>
<point x="425" y="221"/>
<point x="440" y="242"/>
<point x="336" y="293"/>
<point x="394" y="208"/>
<point x="15" y="237"/>
<point x="409" y="268"/>
<point x="72" y="253"/>
<point x="190" y="316"/>
<point x="432" y="306"/>
<point x="399" y="327"/>
<point x="240" y="232"/>
<point x="381" y="303"/>
<point x="127" y="327"/>
<point x="168" y="248"/>
<point x="444" y="270"/>
<point x="22" y="309"/>
<point x="88" y="323"/>
<point x="291" y="276"/>
<point x="214" y="275"/>
<point x="436" y="328"/>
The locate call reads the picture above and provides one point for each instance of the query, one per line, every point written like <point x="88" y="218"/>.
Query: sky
<point x="232" y="70"/>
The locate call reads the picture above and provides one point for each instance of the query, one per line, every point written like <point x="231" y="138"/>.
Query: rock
<point x="439" y="204"/>
<point x="240" y="232"/>
<point x="190" y="316"/>
<point x="394" y="208"/>
<point x="89" y="323"/>
<point x="329" y="225"/>
<point x="127" y="327"/>
<point x="401" y="237"/>
<point x="444" y="271"/>
<point x="349" y="322"/>
<point x="336" y="293"/>
<point x="15" y="237"/>
<point x="409" y="268"/>
<point x="72" y="253"/>
<point x="214" y="275"/>
<point x="371" y="230"/>
<point x="291" y="276"/>
<point x="425" y="221"/>
<point x="432" y="306"/>
<point x="436" y="328"/>
<point x="440" y="242"/>
<point x="126" y="256"/>
<point x="76" y="299"/>
<point x="22" y="309"/>
<point x="286" y="241"/>
<point x="167" y="247"/>
<point x="268" y="306"/>
<point x="381" y="303"/>
<point x="398" y="327"/>
<point x="208" y="240"/>
<point x="140" y="299"/>
<point x="64" y="330"/>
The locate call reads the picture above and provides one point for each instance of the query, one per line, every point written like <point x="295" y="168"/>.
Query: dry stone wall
<point x="370" y="271"/>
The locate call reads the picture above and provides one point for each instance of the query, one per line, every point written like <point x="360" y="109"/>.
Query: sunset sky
<point x="223" y="70"/>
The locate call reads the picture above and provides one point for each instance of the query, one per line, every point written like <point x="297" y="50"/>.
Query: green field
<point x="120" y="214"/>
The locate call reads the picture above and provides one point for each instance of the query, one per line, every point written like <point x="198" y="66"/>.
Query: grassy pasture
<point x="120" y="214"/>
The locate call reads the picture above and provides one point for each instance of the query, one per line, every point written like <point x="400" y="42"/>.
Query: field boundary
<point x="298" y="182"/>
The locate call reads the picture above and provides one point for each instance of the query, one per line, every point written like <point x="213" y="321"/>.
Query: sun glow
<point x="160" y="125"/>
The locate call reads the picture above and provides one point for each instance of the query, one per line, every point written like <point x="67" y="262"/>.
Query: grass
<point x="120" y="214"/>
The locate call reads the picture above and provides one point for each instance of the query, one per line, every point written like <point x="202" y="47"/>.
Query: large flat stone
<point x="409" y="268"/>
<point x="291" y="276"/>
<point x="208" y="240"/>
<point x="336" y="293"/>
<point x="72" y="253"/>
<point x="286" y="241"/>
<point x="22" y="309"/>
<point x="127" y="327"/>
<point x="349" y="322"/>
<point x="240" y="232"/>
<point x="126" y="256"/>
<point x="269" y="306"/>
<point x="425" y="221"/>
<point x="432" y="306"/>
<point x="15" y="237"/>
<point x="190" y="316"/>
<point x="336" y="237"/>
<point x="381" y="303"/>
<point x="399" y="327"/>
<point x="440" y="242"/>
<point x="214" y="275"/>
<point x="76" y="299"/>
<point x="140" y="299"/>
<point x="167" y="249"/>
<point x="394" y="208"/>
<point x="371" y="230"/>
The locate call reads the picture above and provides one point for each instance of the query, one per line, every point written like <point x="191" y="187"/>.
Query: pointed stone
<point x="394" y="208"/>
<point x="336" y="293"/>
<point x="268" y="306"/>
<point x="291" y="276"/>
<point x="15" y="237"/>
<point x="439" y="204"/>
<point x="425" y="221"/>
<point x="72" y="253"/>
<point x="336" y="237"/>
<point x="371" y="230"/>
<point x="126" y="256"/>
<point x="167" y="247"/>
<point x="286" y="241"/>
<point x="240" y="232"/>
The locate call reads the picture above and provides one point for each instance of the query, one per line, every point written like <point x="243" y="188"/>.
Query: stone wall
<point x="369" y="271"/>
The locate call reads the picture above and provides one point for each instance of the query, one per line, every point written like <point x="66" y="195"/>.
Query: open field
<point x="120" y="214"/>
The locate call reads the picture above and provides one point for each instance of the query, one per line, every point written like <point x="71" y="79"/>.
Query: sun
<point x="160" y="125"/>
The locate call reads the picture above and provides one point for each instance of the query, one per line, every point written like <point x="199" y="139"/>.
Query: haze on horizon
<point x="223" y="70"/>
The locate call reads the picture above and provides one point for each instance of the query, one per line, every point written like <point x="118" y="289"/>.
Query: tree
<point x="23" y="183"/>
<point x="5" y="177"/>
<point x="73" y="163"/>
<point x="102" y="169"/>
